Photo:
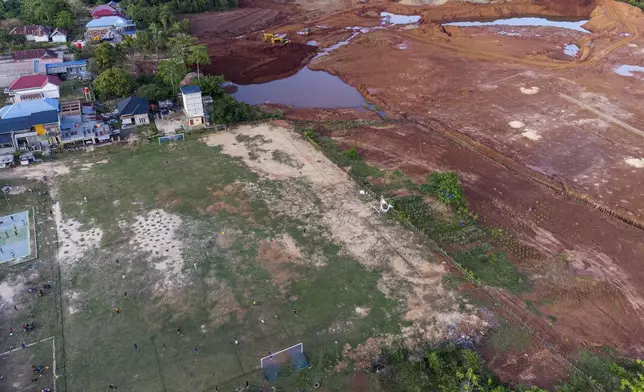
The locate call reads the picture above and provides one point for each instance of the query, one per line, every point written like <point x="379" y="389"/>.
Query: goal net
<point x="170" y="138"/>
<point x="291" y="359"/>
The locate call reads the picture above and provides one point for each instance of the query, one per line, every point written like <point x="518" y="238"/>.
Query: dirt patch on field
<point x="231" y="199"/>
<point x="276" y="256"/>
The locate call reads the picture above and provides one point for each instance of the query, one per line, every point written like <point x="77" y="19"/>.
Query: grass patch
<point x="533" y="308"/>
<point x="285" y="159"/>
<point x="509" y="337"/>
<point x="492" y="268"/>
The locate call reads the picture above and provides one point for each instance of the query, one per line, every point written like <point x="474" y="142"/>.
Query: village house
<point x="104" y="10"/>
<point x="25" y="62"/>
<point x="109" y="28"/>
<point x="59" y="35"/>
<point x="27" y="88"/>
<point x="29" y="126"/>
<point x="192" y="106"/>
<point x="133" y="111"/>
<point x="34" y="33"/>
<point x="69" y="69"/>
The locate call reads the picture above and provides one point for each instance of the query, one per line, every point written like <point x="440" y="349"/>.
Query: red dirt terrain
<point x="550" y="148"/>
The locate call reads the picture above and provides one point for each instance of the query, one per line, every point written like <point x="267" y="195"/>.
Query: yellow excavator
<point x="276" y="38"/>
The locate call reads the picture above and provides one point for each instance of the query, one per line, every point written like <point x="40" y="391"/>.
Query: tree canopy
<point x="106" y="56"/>
<point x="198" y="55"/>
<point x="113" y="83"/>
<point x="172" y="72"/>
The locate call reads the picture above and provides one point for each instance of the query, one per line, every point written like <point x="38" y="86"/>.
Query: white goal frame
<point x="301" y="345"/>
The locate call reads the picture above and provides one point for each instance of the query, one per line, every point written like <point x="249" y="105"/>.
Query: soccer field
<point x="182" y="265"/>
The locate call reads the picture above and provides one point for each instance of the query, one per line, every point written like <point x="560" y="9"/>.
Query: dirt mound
<point x="248" y="61"/>
<point x="232" y="23"/>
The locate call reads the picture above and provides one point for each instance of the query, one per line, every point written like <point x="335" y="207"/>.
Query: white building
<point x="26" y="88"/>
<point x="59" y="35"/>
<point x="33" y="33"/>
<point x="192" y="106"/>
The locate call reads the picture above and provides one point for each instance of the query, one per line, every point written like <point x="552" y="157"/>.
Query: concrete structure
<point x="31" y="87"/>
<point x="133" y="111"/>
<point x="192" y="106"/>
<point x="29" y="126"/>
<point x="35" y="33"/>
<point x="79" y="130"/>
<point x="59" y="35"/>
<point x="68" y="69"/>
<point x="109" y="28"/>
<point x="25" y="62"/>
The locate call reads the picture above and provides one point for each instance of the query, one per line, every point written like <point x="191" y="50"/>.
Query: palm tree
<point x="198" y="55"/>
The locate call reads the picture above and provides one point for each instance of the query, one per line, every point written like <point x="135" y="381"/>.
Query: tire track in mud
<point x="520" y="169"/>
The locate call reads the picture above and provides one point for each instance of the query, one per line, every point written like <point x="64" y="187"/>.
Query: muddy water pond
<point x="571" y="50"/>
<point x="627" y="70"/>
<point x="305" y="89"/>
<point x="526" y="21"/>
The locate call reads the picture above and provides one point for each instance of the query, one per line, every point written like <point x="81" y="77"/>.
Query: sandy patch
<point x="18" y="189"/>
<point x="39" y="171"/>
<point x="74" y="243"/>
<point x="530" y="134"/>
<point x="362" y="312"/>
<point x="277" y="139"/>
<point x="516" y="124"/>
<point x="529" y="90"/>
<point x="74" y="303"/>
<point x="156" y="233"/>
<point x="635" y="162"/>
<point x="8" y="292"/>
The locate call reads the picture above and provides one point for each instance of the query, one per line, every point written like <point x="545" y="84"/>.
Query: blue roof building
<point x="109" y="21"/>
<point x="26" y="125"/>
<point x="133" y="111"/>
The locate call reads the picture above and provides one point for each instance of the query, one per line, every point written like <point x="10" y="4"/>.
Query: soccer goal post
<point x="289" y="359"/>
<point x="169" y="138"/>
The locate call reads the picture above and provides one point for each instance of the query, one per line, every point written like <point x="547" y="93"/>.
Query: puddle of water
<point x="312" y="43"/>
<point x="627" y="70"/>
<point x="531" y="21"/>
<point x="390" y="18"/>
<point x="305" y="89"/>
<point x="571" y="50"/>
<point x="509" y="33"/>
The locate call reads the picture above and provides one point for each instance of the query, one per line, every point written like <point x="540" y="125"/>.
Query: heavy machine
<point x="276" y="38"/>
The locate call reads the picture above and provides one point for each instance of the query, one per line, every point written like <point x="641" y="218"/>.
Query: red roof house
<point x="31" y="61"/>
<point x="26" y="88"/>
<point x="33" y="81"/>
<point x="33" y="54"/>
<point x="105" y="10"/>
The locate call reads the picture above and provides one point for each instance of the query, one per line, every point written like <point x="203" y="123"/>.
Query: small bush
<point x="492" y="268"/>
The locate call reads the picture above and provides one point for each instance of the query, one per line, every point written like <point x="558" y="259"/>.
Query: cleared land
<point x="549" y="149"/>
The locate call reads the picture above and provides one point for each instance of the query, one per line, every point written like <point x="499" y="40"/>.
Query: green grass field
<point x="233" y="275"/>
